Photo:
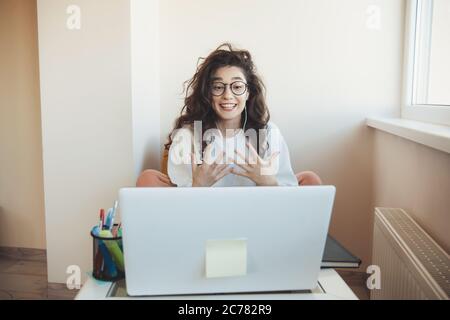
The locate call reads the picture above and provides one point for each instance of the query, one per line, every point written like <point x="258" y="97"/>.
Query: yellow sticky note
<point x="226" y="258"/>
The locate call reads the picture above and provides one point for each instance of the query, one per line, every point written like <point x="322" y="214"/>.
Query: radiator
<point x="412" y="265"/>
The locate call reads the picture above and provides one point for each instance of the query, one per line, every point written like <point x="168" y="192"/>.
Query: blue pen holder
<point x="106" y="253"/>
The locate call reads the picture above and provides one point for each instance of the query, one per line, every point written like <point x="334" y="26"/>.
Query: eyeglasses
<point x="238" y="88"/>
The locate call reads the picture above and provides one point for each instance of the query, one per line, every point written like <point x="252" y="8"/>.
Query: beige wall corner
<point x="416" y="178"/>
<point x="22" y="218"/>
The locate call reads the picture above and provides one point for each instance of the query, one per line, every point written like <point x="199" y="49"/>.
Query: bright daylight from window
<point x="432" y="54"/>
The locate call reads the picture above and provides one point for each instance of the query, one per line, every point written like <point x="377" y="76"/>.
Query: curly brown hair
<point x="198" y="99"/>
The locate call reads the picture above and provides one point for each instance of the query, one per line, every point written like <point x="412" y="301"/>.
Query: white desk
<point x="330" y="287"/>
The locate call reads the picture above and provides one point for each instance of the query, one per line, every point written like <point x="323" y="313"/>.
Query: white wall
<point x="86" y="122"/>
<point x="145" y="84"/>
<point x="325" y="72"/>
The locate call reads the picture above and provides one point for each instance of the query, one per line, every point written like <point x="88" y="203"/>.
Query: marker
<point x="107" y="259"/>
<point x="113" y="249"/>
<point x="113" y="215"/>
<point x="96" y="231"/>
<point x="98" y="262"/>
<point x="108" y="219"/>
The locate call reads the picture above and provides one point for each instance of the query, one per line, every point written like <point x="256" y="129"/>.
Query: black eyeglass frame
<point x="231" y="88"/>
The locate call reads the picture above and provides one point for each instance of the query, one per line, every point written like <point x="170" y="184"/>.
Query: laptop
<point x="182" y="241"/>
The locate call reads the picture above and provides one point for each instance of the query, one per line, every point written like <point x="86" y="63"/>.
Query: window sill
<point x="431" y="135"/>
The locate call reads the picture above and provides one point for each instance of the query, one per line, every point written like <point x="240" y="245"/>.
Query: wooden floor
<point x="23" y="275"/>
<point x="357" y="282"/>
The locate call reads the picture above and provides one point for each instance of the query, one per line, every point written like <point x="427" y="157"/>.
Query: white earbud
<point x="245" y="119"/>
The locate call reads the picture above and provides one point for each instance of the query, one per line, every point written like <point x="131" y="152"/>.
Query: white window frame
<point x="418" y="9"/>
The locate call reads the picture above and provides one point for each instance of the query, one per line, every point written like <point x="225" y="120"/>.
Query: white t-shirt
<point x="183" y="144"/>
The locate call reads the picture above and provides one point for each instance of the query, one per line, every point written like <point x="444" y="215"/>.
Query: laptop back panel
<point x="168" y="232"/>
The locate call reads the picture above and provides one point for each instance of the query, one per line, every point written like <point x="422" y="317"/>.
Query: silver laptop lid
<point x="223" y="240"/>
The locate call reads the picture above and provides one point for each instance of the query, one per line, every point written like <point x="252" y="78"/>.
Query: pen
<point x="102" y="218"/>
<point x="114" y="249"/>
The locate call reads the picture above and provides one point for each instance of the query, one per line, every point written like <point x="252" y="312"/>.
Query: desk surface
<point x="330" y="287"/>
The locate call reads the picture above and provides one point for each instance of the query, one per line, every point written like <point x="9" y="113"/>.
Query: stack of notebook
<point x="336" y="256"/>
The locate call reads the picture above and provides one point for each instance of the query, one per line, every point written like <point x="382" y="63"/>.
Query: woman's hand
<point x="207" y="173"/>
<point x="258" y="170"/>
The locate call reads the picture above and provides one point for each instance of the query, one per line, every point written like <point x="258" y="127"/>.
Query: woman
<point x="223" y="136"/>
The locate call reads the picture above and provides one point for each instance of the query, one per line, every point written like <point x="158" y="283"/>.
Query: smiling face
<point x="229" y="106"/>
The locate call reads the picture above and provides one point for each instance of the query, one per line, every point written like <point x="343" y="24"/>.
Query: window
<point x="427" y="62"/>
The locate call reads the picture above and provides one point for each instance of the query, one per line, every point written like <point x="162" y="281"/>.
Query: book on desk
<point x="336" y="256"/>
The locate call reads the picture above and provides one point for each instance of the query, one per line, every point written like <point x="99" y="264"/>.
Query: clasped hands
<point x="255" y="168"/>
